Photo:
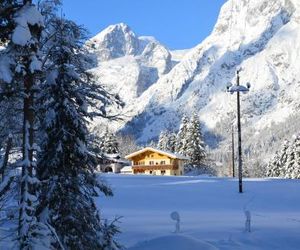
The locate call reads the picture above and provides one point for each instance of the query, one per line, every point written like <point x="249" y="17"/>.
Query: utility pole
<point x="240" y="162"/>
<point x="231" y="89"/>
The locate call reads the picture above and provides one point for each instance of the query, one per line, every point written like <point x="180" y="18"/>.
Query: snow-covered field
<point x="211" y="211"/>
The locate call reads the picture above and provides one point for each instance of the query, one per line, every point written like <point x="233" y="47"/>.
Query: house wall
<point x="126" y="172"/>
<point x="153" y="158"/>
<point x="116" y="167"/>
<point x="147" y="158"/>
<point x="167" y="172"/>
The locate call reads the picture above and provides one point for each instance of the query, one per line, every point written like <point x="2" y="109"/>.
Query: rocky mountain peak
<point x="126" y="63"/>
<point x="114" y="42"/>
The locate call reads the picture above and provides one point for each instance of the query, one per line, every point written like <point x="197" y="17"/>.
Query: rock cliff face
<point x="260" y="36"/>
<point x="128" y="64"/>
<point x="114" y="42"/>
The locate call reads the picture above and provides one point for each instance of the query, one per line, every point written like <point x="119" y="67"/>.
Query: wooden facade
<point x="156" y="162"/>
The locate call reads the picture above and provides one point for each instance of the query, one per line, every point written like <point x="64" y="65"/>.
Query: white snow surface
<point x="35" y="64"/>
<point x="5" y="71"/>
<point x="174" y="242"/>
<point x="27" y="15"/>
<point x="211" y="212"/>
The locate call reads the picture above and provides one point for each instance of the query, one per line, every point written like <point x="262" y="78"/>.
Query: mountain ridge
<point x="135" y="61"/>
<point x="263" y="38"/>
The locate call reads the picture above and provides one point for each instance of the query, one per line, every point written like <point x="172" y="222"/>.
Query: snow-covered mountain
<point x="260" y="36"/>
<point x="128" y="64"/>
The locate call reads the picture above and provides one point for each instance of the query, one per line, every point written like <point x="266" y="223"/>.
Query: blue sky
<point x="178" y="24"/>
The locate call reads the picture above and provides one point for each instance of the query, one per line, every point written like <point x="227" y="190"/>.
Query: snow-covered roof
<point x="126" y="169"/>
<point x="112" y="156"/>
<point x="167" y="153"/>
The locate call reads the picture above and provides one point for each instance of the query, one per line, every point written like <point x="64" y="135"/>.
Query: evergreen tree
<point x="283" y="158"/>
<point x="7" y="12"/>
<point x="152" y="144"/>
<point x="127" y="145"/>
<point x="181" y="141"/>
<point x="10" y="84"/>
<point x="163" y="141"/>
<point x="297" y="158"/>
<point x="22" y="26"/>
<point x="10" y="141"/>
<point x="172" y="142"/>
<point x="8" y="191"/>
<point x="166" y="141"/>
<point x="109" y="144"/>
<point x="286" y="163"/>
<point x="66" y="167"/>
<point x="110" y="230"/>
<point x="195" y="148"/>
<point x="288" y="167"/>
<point x="292" y="165"/>
<point x="275" y="167"/>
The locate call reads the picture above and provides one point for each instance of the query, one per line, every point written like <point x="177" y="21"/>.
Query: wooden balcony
<point x="139" y="168"/>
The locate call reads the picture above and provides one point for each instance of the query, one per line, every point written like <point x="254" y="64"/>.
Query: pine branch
<point x="6" y="184"/>
<point x="55" y="235"/>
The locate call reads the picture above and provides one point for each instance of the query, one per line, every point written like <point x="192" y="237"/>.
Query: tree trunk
<point x="27" y="166"/>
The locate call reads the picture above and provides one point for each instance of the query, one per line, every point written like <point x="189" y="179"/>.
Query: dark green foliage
<point x="66" y="167"/>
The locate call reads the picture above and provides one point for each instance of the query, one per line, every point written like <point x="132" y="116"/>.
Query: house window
<point x="151" y="162"/>
<point x="150" y="172"/>
<point x="163" y="163"/>
<point x="163" y="172"/>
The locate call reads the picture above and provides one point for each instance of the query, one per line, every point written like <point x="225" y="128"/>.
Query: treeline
<point x="286" y="161"/>
<point x="106" y="141"/>
<point x="259" y="146"/>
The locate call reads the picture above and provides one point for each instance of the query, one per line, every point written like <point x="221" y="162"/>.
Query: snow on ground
<point x="174" y="242"/>
<point x="211" y="210"/>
